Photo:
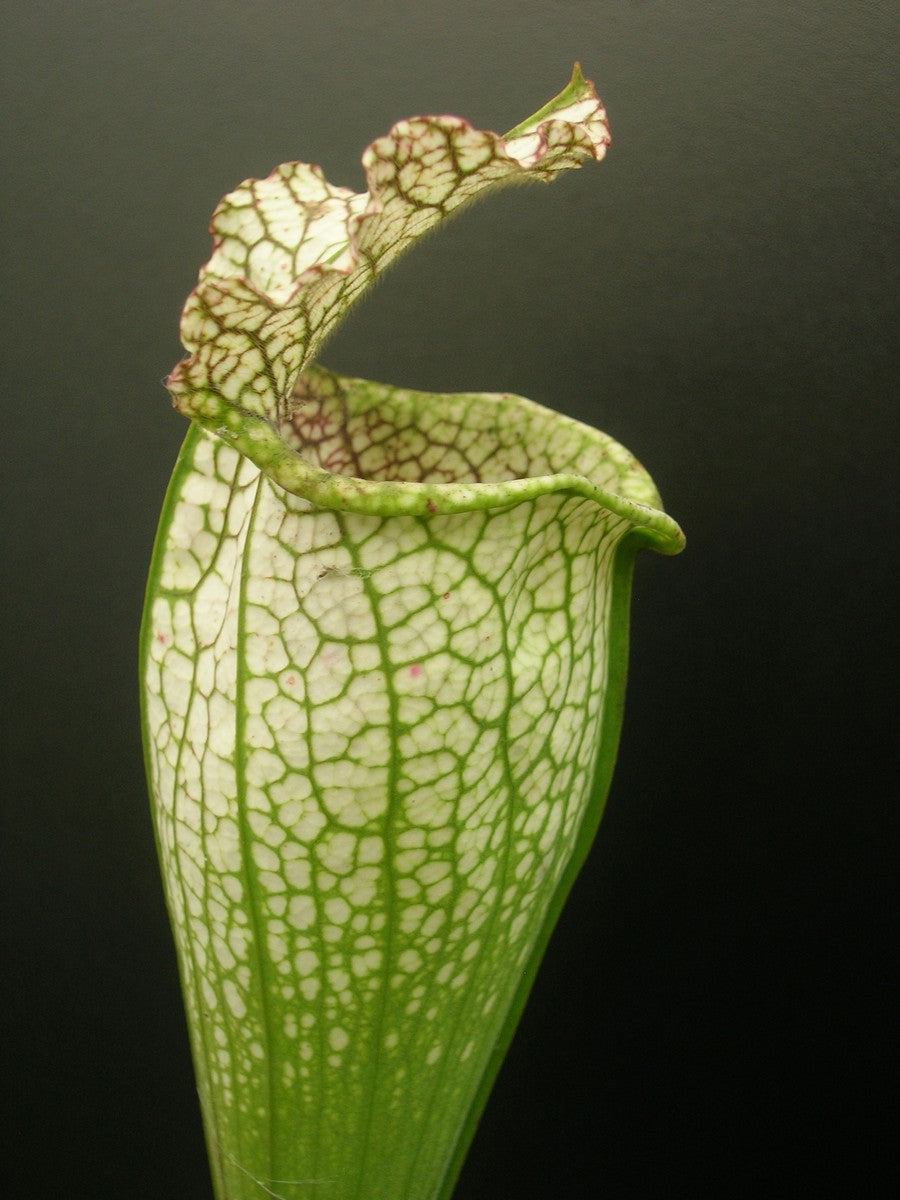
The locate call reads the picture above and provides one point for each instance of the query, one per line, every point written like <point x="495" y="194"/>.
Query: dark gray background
<point x="710" y="1018"/>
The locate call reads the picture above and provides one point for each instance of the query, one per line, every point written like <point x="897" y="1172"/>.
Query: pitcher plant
<point x="383" y="660"/>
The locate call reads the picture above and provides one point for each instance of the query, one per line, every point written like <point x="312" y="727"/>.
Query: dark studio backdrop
<point x="712" y="1016"/>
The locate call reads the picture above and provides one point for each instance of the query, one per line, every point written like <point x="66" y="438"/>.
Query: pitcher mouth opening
<point x="366" y="447"/>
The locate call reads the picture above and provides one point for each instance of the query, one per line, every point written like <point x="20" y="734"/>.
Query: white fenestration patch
<point x="412" y="762"/>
